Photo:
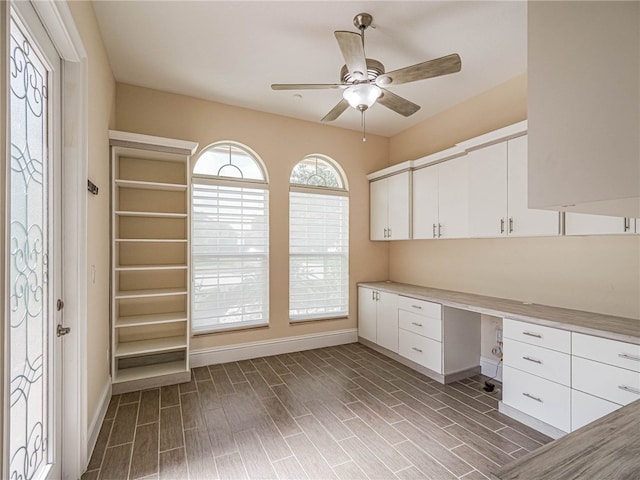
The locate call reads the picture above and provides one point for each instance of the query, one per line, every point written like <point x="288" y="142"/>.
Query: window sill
<point x="231" y="328"/>
<point x="323" y="319"/>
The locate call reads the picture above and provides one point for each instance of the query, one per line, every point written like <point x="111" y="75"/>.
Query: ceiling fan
<point x="364" y="80"/>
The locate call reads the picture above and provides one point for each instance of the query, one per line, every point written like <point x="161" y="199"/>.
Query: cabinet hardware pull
<point x="533" y="360"/>
<point x="384" y="235"/>
<point x="528" y="395"/>
<point x="536" y="335"/>
<point x="510" y="224"/>
<point x="416" y="349"/>
<point x="416" y="324"/>
<point x="373" y="295"/>
<point x="629" y="389"/>
<point x="417" y="306"/>
<point x="377" y="296"/>
<point x="628" y="356"/>
<point x="502" y="225"/>
<point x="439" y="230"/>
<point x="434" y="230"/>
<point x="627" y="224"/>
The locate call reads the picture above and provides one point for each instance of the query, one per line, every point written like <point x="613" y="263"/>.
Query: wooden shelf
<point x="140" y="185"/>
<point x="150" y="319"/>
<point x="124" y="213"/>
<point x="149" y="371"/>
<point x="155" y="292"/>
<point x="151" y="240"/>
<point x="142" y="268"/>
<point x="155" y="345"/>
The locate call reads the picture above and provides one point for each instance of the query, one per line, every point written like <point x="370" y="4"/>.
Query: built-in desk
<point x="608" y="448"/>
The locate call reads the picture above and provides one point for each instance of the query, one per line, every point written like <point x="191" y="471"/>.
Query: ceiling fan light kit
<point x="364" y="80"/>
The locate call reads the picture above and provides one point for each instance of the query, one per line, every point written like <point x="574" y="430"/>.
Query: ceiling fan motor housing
<point x="374" y="69"/>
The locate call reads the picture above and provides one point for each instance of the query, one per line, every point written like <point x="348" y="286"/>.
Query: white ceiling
<point x="232" y="51"/>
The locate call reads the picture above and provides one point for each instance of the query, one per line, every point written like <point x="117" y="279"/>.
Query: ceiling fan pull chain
<point x="364" y="133"/>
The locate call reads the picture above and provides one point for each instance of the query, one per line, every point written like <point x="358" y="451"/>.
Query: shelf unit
<point x="150" y="271"/>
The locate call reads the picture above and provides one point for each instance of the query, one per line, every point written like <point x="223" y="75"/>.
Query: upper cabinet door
<point x="585" y="224"/>
<point x="398" y="206"/>
<point x="425" y="202"/>
<point x="378" y="204"/>
<point x="488" y="191"/>
<point x="523" y="221"/>
<point x="453" y="198"/>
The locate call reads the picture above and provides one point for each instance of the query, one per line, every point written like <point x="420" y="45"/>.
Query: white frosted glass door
<point x="34" y="281"/>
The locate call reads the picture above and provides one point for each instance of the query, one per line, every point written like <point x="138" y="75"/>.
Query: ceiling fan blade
<point x="306" y="86"/>
<point x="429" y="69"/>
<point x="336" y="111"/>
<point x="397" y="103"/>
<point x="352" y="49"/>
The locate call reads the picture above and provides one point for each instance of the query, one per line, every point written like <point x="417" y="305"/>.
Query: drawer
<point x="421" y="307"/>
<point x="542" y="399"/>
<point x="586" y="408"/>
<point x="422" y="350"/>
<point x="425" y="326"/>
<point x="540" y="335"/>
<point x="611" y="352"/>
<point x="615" y="384"/>
<point x="545" y="363"/>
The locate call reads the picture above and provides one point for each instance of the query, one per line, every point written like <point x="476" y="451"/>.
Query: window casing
<point x="318" y="241"/>
<point x="230" y="240"/>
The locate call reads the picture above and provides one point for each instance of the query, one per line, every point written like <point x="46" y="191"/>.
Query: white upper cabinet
<point x="583" y="96"/>
<point x="425" y="202"/>
<point x="585" y="224"/>
<point x="498" y="189"/>
<point x="390" y="207"/>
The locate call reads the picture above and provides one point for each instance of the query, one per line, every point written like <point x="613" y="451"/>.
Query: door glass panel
<point x="30" y="317"/>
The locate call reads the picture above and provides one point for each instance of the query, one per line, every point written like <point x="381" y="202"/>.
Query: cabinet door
<point x="398" y="211"/>
<point x="387" y="321"/>
<point x="586" y="224"/>
<point x="367" y="313"/>
<point x="425" y="202"/>
<point x="453" y="198"/>
<point x="586" y="408"/>
<point x="488" y="191"/>
<point x="378" y="191"/>
<point x="524" y="221"/>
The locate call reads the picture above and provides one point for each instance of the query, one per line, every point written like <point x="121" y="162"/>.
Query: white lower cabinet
<point x="422" y="350"/>
<point x="540" y="398"/>
<point x="586" y="408"/>
<point x="378" y="317"/>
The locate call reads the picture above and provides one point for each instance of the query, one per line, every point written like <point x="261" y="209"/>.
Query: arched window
<point x="230" y="239"/>
<point x="318" y="240"/>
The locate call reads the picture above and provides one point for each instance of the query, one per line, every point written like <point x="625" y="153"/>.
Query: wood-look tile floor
<point x="342" y="412"/>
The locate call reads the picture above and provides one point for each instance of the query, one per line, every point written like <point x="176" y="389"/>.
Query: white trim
<point x="438" y="157"/>
<point x="265" y="348"/>
<point x="96" y="421"/>
<point x="500" y="135"/>
<point x="392" y="170"/>
<point x="488" y="368"/>
<point x="150" y="142"/>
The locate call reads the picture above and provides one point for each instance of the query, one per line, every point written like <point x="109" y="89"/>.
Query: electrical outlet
<point x="498" y="335"/>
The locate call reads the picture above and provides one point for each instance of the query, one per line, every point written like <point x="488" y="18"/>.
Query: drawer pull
<point x="629" y="389"/>
<point x="416" y="324"/>
<point x="536" y="335"/>
<point x="416" y="349"/>
<point x="528" y="395"/>
<point x="628" y="356"/>
<point x="532" y="360"/>
<point x="417" y="306"/>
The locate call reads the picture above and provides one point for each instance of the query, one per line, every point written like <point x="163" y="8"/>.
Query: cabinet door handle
<point x="502" y="225"/>
<point x="385" y="233"/>
<point x="373" y="295"/>
<point x="528" y="395"/>
<point x="416" y="324"/>
<point x="416" y="349"/>
<point x="389" y="230"/>
<point x="510" y="224"/>
<point x="439" y="230"/>
<point x="417" y="306"/>
<point x="532" y="360"/>
<point x="536" y="335"/>
<point x="629" y="389"/>
<point x="627" y="224"/>
<point x="628" y="356"/>
<point x="434" y="230"/>
<point x="377" y="296"/>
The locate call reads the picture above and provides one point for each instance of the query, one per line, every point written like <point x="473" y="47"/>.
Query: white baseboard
<point x="530" y="421"/>
<point x="488" y="366"/>
<point x="96" y="421"/>
<point x="245" y="351"/>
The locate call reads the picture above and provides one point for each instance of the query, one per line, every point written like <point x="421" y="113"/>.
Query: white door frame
<point x="59" y="23"/>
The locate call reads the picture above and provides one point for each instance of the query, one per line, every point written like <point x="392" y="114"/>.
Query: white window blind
<point x="230" y="256"/>
<point x="318" y="256"/>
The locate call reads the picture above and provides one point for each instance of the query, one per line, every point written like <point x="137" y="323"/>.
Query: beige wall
<point x="101" y="117"/>
<point x="596" y="273"/>
<point x="281" y="142"/>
